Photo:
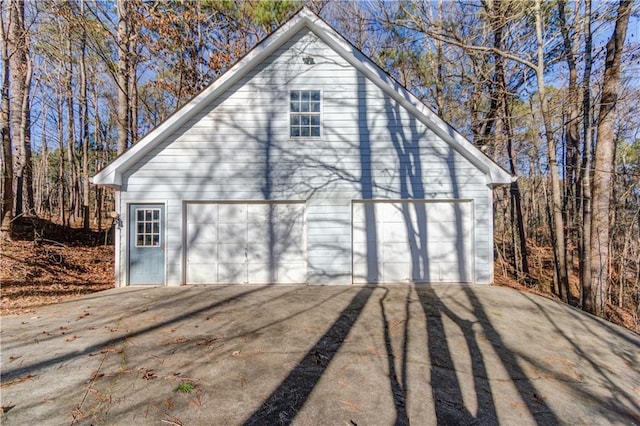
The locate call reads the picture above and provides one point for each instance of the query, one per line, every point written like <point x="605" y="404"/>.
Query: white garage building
<point x="304" y="163"/>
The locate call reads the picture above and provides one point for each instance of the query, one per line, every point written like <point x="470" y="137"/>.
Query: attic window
<point x="304" y="109"/>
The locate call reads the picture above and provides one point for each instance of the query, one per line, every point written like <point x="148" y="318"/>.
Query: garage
<point x="245" y="243"/>
<point x="412" y="241"/>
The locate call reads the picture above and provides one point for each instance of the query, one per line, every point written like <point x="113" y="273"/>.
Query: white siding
<point x="239" y="149"/>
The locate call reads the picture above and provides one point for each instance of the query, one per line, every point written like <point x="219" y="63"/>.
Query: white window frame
<point x="308" y="114"/>
<point x="144" y="232"/>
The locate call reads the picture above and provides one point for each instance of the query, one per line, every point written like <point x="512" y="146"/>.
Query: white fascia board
<point x="496" y="175"/>
<point x="111" y="175"/>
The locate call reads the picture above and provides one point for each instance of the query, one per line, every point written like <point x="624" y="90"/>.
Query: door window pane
<point x="147" y="227"/>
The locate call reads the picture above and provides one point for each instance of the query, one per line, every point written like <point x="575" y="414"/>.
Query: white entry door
<point x="412" y="241"/>
<point x="255" y="243"/>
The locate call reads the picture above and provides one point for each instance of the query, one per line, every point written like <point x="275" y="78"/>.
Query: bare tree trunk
<point x="61" y="175"/>
<point x="572" y="129"/>
<point x="122" y="40"/>
<point x="585" y="240"/>
<point x="557" y="220"/>
<point x="516" y="217"/>
<point x="25" y="138"/>
<point x="71" y="129"/>
<point x="84" y="117"/>
<point x="20" y="72"/>
<point x="502" y="96"/>
<point x="43" y="186"/>
<point x="604" y="161"/>
<point x="7" y="161"/>
<point x="133" y="90"/>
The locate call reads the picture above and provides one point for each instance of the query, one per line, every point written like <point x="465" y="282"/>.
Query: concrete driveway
<point x="317" y="355"/>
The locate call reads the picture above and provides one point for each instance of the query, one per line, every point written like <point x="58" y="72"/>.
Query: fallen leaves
<point x="5" y="408"/>
<point x="30" y="280"/>
<point x="149" y="375"/>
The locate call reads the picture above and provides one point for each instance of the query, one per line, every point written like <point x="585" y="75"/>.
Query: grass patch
<point x="185" y="387"/>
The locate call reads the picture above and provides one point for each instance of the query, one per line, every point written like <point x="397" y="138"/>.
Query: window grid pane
<point x="147" y="227"/>
<point x="304" y="113"/>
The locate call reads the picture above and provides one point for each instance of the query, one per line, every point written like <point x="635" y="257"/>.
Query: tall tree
<point x="604" y="161"/>
<point x="571" y="125"/>
<point x="84" y="117"/>
<point x="123" y="41"/>
<point x="7" y="160"/>
<point x="585" y="173"/>
<point x="557" y="219"/>
<point x="20" y="71"/>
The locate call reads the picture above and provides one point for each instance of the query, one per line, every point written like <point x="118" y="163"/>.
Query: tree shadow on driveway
<point x="282" y="406"/>
<point x="446" y="387"/>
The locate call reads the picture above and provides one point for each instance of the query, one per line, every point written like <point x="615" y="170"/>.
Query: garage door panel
<point x="419" y="241"/>
<point x="202" y="232"/>
<point x="257" y="232"/>
<point x="202" y="213"/>
<point x="395" y="252"/>
<point x="394" y="232"/>
<point x="236" y="232"/>
<point x="393" y="212"/>
<point x="288" y="256"/>
<point x="202" y="253"/>
<point x="290" y="213"/>
<point x="445" y="231"/>
<point x="360" y="271"/>
<point x="361" y="251"/>
<point x="396" y="272"/>
<point x="258" y="213"/>
<point x="449" y="254"/>
<point x="232" y="213"/>
<point x="357" y="214"/>
<point x="292" y="273"/>
<point x="257" y="252"/>
<point x="232" y="273"/>
<point x="232" y="253"/>
<point x="202" y="273"/>
<point x="261" y="273"/>
<point x="359" y="233"/>
<point x="452" y="272"/>
<point x="252" y="242"/>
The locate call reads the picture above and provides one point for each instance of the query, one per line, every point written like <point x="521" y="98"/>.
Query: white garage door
<point x="254" y="243"/>
<point x="412" y="241"/>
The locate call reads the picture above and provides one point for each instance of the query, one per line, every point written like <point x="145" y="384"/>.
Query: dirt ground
<point x="51" y="265"/>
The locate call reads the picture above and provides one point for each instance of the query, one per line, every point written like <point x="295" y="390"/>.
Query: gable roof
<point x="111" y="175"/>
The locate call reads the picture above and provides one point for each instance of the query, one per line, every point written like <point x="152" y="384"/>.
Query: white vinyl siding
<point x="239" y="149"/>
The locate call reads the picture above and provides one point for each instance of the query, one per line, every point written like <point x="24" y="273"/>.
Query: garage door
<point x="412" y="241"/>
<point x="255" y="243"/>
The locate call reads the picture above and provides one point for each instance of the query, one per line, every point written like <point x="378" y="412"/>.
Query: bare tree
<point x="585" y="240"/>
<point x="123" y="41"/>
<point x="20" y="71"/>
<point x="84" y="118"/>
<point x="7" y="162"/>
<point x="604" y="161"/>
<point x="557" y="225"/>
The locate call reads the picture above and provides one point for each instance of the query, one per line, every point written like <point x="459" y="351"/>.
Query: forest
<point x="547" y="89"/>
